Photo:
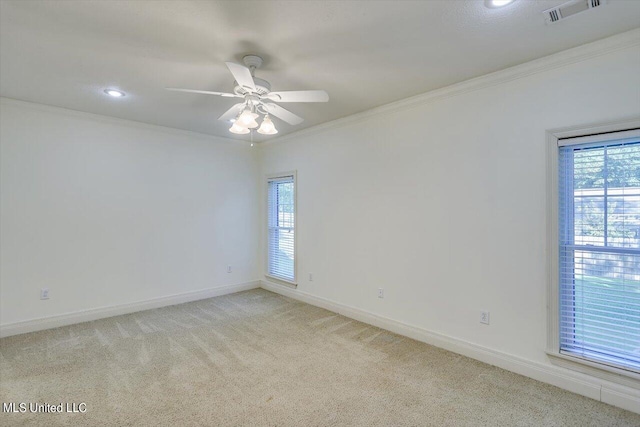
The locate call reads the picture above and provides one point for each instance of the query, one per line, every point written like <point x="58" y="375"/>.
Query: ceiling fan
<point x="258" y="99"/>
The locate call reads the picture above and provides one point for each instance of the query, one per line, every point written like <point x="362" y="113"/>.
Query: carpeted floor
<point x="260" y="359"/>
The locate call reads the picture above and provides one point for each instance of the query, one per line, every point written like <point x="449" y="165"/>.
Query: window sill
<point x="281" y="281"/>
<point x="595" y="369"/>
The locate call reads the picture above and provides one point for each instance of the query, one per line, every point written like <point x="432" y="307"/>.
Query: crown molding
<point x="118" y="121"/>
<point x="574" y="55"/>
<point x="567" y="57"/>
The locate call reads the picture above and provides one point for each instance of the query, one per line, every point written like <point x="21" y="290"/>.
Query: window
<point x="281" y="218"/>
<point x="598" y="264"/>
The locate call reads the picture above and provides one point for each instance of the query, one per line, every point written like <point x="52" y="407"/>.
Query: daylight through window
<point x="281" y="224"/>
<point x="599" y="265"/>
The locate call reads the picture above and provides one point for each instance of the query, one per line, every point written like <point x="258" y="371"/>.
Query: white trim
<point x="281" y="176"/>
<point x="280" y="280"/>
<point x="11" y="102"/>
<point x="618" y="395"/>
<point x="43" y="323"/>
<point x="586" y="366"/>
<point x="600" y="137"/>
<point x="567" y="57"/>
<point x="627" y="398"/>
<point x="594" y="128"/>
<point x="553" y="307"/>
<point x="619" y="376"/>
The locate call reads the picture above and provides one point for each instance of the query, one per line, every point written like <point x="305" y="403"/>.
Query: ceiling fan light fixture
<point x="238" y="130"/>
<point x="267" y="127"/>
<point x="247" y="119"/>
<point x="259" y="100"/>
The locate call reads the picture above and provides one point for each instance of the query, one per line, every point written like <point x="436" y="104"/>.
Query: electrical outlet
<point x="228" y="269"/>
<point x="311" y="277"/>
<point x="44" y="293"/>
<point x="380" y="293"/>
<point x="484" y="317"/>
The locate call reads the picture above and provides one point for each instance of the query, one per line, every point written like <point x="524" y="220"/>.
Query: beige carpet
<point x="260" y="359"/>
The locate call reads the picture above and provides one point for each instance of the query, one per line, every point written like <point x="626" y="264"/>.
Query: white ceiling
<point x="364" y="53"/>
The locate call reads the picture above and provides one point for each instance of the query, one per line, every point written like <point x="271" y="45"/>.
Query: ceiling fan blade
<point x="299" y="96"/>
<point x="242" y="75"/>
<point x="232" y="112"/>
<point x="282" y="113"/>
<point x="206" y="92"/>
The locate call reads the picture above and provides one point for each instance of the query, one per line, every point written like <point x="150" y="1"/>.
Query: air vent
<point x="571" y="8"/>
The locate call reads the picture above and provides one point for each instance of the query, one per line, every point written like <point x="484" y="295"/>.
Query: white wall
<point x="440" y="200"/>
<point x="106" y="212"/>
<point x="443" y="202"/>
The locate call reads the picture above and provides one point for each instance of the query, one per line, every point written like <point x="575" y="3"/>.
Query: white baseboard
<point x="116" y="310"/>
<point x="576" y="382"/>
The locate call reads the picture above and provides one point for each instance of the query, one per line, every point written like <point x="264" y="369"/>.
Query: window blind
<point x="281" y="225"/>
<point x="599" y="248"/>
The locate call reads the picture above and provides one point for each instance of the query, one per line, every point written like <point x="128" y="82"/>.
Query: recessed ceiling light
<point x="114" y="93"/>
<point x="497" y="3"/>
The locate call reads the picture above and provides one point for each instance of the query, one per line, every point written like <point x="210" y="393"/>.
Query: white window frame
<point x="610" y="373"/>
<point x="268" y="178"/>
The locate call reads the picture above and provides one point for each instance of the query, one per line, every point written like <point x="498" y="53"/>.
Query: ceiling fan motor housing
<point x="263" y="87"/>
<point x="257" y="94"/>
